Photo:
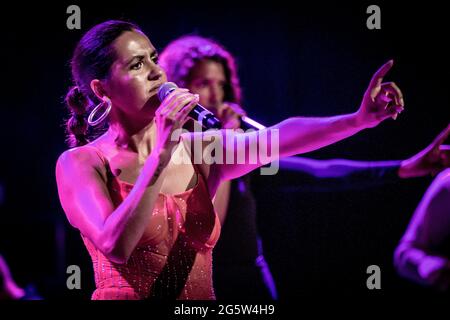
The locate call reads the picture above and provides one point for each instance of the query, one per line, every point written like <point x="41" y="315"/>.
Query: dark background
<point x="308" y="59"/>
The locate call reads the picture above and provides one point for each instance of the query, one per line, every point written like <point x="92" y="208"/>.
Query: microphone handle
<point x="248" y="123"/>
<point x="205" y="118"/>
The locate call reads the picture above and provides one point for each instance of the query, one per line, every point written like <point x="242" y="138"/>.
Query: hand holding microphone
<point x="207" y="119"/>
<point x="169" y="117"/>
<point x="203" y="116"/>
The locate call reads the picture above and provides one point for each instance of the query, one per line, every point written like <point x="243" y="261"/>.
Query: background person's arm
<point x="339" y="174"/>
<point x="417" y="257"/>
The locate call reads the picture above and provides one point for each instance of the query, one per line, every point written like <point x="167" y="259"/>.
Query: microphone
<point x="248" y="123"/>
<point x="203" y="116"/>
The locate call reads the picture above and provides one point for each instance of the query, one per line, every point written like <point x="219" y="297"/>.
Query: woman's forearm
<point x="299" y="135"/>
<point x="290" y="137"/>
<point x="126" y="225"/>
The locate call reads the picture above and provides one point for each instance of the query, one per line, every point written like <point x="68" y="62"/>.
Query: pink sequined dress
<point x="173" y="259"/>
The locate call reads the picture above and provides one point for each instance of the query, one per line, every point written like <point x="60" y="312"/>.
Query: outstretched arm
<point x="431" y="160"/>
<point x="82" y="182"/>
<point x="339" y="173"/>
<point x="299" y="135"/>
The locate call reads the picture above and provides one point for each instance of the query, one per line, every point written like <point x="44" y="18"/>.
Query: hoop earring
<point x="90" y="120"/>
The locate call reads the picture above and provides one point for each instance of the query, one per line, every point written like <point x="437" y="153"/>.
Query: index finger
<point x="379" y="75"/>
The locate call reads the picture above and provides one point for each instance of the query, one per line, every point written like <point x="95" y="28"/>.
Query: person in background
<point x="423" y="253"/>
<point x="10" y="290"/>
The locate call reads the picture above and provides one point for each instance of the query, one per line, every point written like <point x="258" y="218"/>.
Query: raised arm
<point x="299" y="135"/>
<point x="82" y="186"/>
<point x="81" y="178"/>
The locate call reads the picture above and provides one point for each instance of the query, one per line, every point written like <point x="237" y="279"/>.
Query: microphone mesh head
<point x="165" y="89"/>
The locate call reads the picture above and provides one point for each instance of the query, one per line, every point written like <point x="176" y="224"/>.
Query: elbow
<point x="115" y="253"/>
<point x="400" y="256"/>
<point x="117" y="258"/>
<point x="407" y="261"/>
<point x="397" y="259"/>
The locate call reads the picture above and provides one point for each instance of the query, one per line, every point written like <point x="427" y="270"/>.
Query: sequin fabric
<point x="173" y="259"/>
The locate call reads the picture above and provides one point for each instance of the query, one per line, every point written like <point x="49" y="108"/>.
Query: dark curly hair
<point x="182" y="54"/>
<point x="92" y="59"/>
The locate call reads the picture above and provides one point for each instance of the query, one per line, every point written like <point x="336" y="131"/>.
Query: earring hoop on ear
<point x="102" y="117"/>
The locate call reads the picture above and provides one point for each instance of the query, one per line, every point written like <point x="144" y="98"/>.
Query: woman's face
<point x="207" y="78"/>
<point x="134" y="76"/>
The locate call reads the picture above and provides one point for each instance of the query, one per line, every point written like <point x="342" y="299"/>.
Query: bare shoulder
<point x="443" y="180"/>
<point x="437" y="197"/>
<point x="85" y="155"/>
<point x="78" y="160"/>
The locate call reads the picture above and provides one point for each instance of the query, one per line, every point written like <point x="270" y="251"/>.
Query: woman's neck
<point x="137" y="135"/>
